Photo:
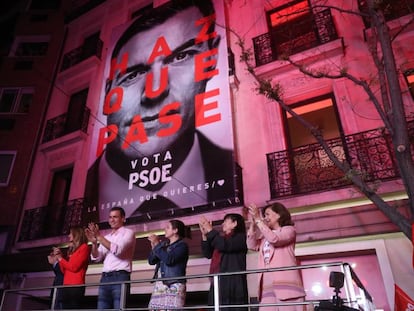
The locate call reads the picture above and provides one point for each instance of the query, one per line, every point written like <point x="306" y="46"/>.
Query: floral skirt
<point x="166" y="297"/>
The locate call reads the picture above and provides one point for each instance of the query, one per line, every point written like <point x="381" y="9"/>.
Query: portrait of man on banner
<point x="168" y="141"/>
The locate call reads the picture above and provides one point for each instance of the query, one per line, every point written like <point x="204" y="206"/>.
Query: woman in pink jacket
<point x="274" y="236"/>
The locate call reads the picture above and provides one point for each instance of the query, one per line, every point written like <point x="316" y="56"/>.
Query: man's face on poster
<point x="172" y="110"/>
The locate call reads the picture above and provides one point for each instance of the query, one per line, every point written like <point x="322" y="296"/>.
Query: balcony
<point x="55" y="220"/>
<point x="308" y="169"/>
<point x="82" y="53"/>
<point x="269" y="47"/>
<point x="65" y="215"/>
<point x="334" y="277"/>
<point x="65" y="124"/>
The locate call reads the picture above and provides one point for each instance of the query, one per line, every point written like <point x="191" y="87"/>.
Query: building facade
<point x="67" y="96"/>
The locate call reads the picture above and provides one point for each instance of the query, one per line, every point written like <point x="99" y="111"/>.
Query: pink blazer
<point x="282" y="254"/>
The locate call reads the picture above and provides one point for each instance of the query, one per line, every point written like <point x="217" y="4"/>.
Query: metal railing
<point x="81" y="53"/>
<point x="60" y="125"/>
<point x="319" y="28"/>
<point x="35" y="221"/>
<point x="356" y="295"/>
<point x="307" y="168"/>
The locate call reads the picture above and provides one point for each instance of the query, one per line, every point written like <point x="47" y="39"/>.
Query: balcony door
<point x="58" y="197"/>
<point x="310" y="163"/>
<point x="292" y="28"/>
<point x="76" y="111"/>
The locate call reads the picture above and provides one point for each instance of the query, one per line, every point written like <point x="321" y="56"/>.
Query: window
<point x="409" y="76"/>
<point x="6" y="166"/>
<point x="30" y="46"/>
<point x="31" y="49"/>
<point x="15" y="100"/>
<point x="76" y="111"/>
<point x="45" y="4"/>
<point x="58" y="197"/>
<point x="321" y="113"/>
<point x="313" y="168"/>
<point x="292" y="27"/>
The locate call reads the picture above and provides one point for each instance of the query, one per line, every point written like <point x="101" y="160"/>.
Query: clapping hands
<point x="92" y="232"/>
<point x="205" y="226"/>
<point x="254" y="211"/>
<point x="154" y="239"/>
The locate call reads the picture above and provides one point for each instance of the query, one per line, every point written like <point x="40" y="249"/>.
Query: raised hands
<point x="57" y="253"/>
<point x="92" y="232"/>
<point x="154" y="239"/>
<point x="254" y="211"/>
<point x="205" y="225"/>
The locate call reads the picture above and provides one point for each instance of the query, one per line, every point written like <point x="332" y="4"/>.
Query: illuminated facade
<point x="271" y="157"/>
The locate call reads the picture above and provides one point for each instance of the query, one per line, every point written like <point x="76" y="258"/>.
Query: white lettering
<point x="152" y="176"/>
<point x="134" y="164"/>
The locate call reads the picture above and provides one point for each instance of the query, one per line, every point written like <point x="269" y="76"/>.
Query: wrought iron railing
<point x="308" y="168"/>
<point x="355" y="297"/>
<point x="36" y="223"/>
<point x="267" y="48"/>
<point x="59" y="126"/>
<point x="81" y="53"/>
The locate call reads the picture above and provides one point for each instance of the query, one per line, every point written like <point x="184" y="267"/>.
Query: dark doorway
<point x="58" y="197"/>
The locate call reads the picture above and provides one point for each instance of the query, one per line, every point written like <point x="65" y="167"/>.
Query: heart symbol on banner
<point x="220" y="182"/>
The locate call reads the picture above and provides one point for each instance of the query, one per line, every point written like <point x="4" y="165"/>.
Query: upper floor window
<point x="30" y="46"/>
<point x="31" y="49"/>
<point x="409" y="76"/>
<point x="45" y="4"/>
<point x="92" y="46"/>
<point x="321" y="113"/>
<point x="6" y="165"/>
<point x="293" y="27"/>
<point x="15" y="100"/>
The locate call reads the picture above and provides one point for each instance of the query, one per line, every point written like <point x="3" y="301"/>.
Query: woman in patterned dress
<point x="170" y="257"/>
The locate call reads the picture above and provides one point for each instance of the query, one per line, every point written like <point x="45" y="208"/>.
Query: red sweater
<point x="74" y="269"/>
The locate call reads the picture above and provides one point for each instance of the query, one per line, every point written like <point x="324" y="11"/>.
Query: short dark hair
<point x="241" y="226"/>
<point x="118" y="208"/>
<point x="182" y="230"/>
<point x="158" y="16"/>
<point x="285" y="217"/>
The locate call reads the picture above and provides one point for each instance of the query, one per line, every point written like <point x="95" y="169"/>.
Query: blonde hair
<point x="79" y="238"/>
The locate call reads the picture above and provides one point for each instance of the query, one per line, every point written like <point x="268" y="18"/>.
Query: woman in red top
<point x="74" y="268"/>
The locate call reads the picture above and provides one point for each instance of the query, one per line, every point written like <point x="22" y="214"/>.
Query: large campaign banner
<point x="163" y="138"/>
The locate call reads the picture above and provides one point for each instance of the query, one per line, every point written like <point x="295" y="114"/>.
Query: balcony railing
<point x="36" y="222"/>
<point x="59" y="126"/>
<point x="55" y="220"/>
<point x="81" y="53"/>
<point x="355" y="296"/>
<point x="267" y="48"/>
<point x="308" y="169"/>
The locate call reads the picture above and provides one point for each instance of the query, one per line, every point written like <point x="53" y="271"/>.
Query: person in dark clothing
<point x="57" y="281"/>
<point x="228" y="254"/>
<point x="170" y="257"/>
